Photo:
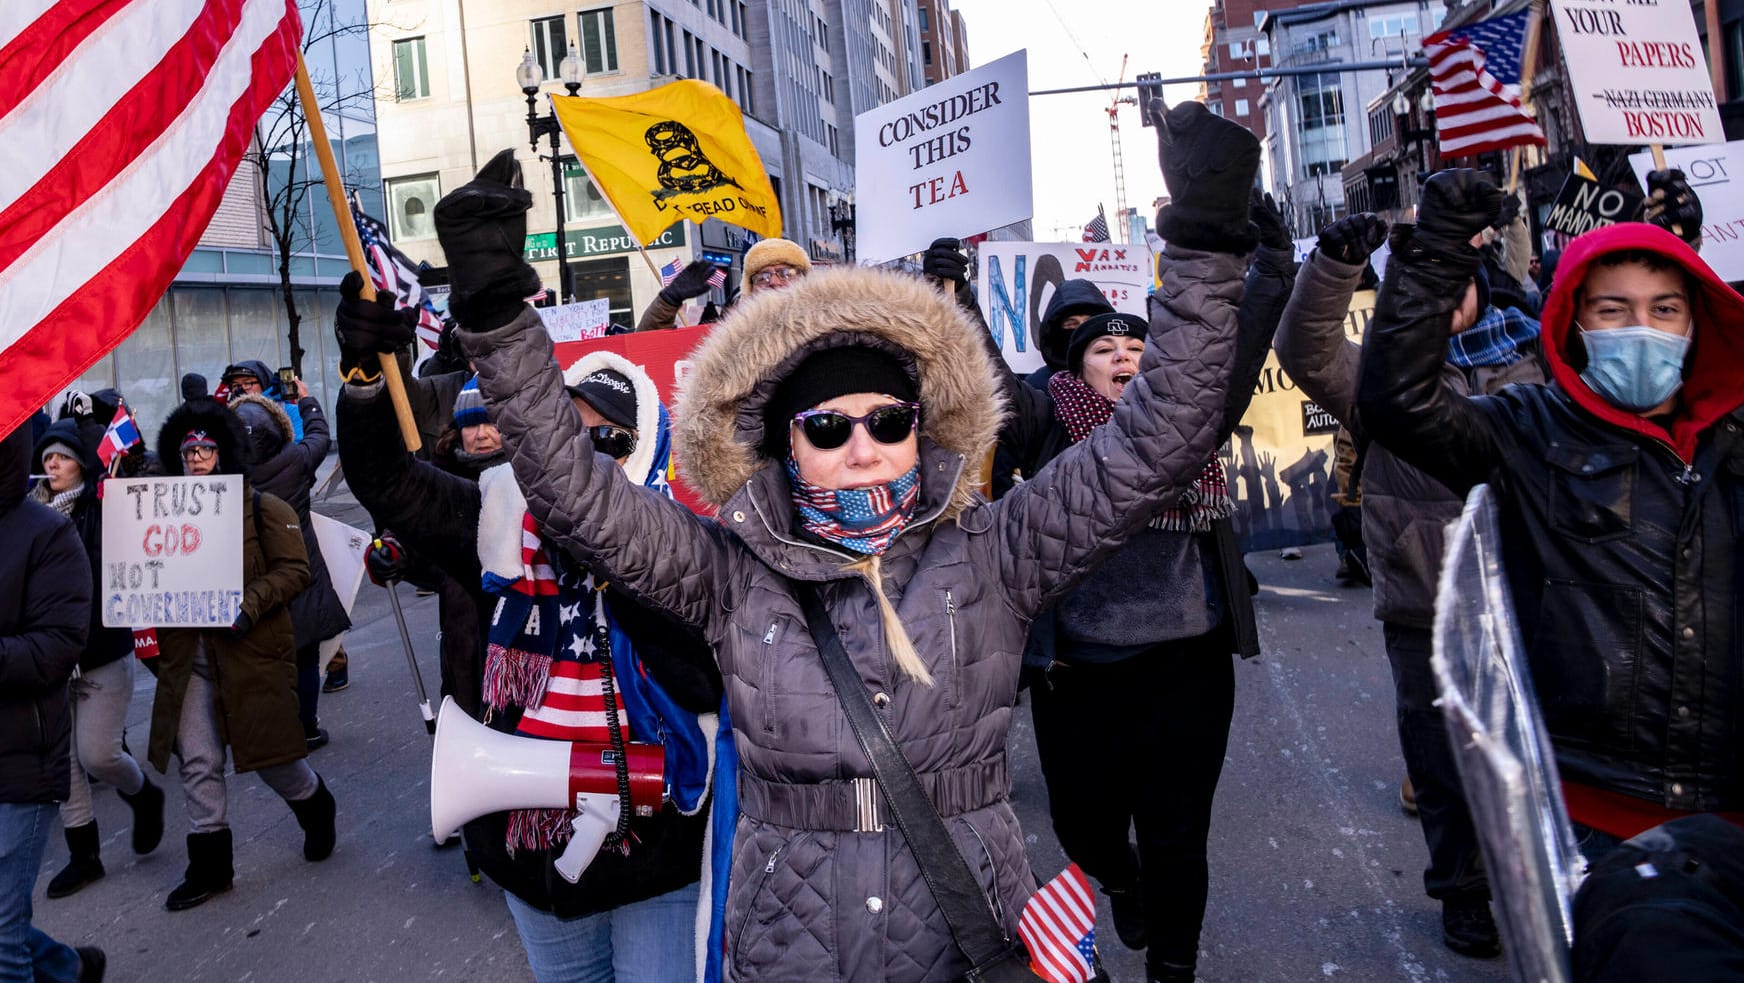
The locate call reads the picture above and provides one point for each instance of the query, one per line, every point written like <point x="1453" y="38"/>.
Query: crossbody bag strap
<point x="947" y="875"/>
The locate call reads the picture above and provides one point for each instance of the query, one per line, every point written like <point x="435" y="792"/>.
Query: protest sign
<point x="577" y="322"/>
<point x="172" y="552"/>
<point x="343" y="549"/>
<point x="949" y="160"/>
<point x="1716" y="174"/>
<point x="1638" y="71"/>
<point x="1584" y="205"/>
<point x="1017" y="279"/>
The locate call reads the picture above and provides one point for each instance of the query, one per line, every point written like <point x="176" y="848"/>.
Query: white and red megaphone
<point x="475" y="770"/>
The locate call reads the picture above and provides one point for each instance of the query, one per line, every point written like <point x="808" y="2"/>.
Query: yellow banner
<point x="679" y="151"/>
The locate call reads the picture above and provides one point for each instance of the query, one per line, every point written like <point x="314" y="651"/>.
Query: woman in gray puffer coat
<point x="931" y="591"/>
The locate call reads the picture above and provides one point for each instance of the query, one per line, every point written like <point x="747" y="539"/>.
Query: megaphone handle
<point x="597" y="818"/>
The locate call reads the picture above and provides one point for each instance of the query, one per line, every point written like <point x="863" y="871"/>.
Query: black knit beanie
<point x="826" y="374"/>
<point x="1112" y="323"/>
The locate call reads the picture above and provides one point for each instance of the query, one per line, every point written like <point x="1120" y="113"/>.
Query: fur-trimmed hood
<point x="219" y="423"/>
<point x="274" y="409"/>
<point x="718" y="431"/>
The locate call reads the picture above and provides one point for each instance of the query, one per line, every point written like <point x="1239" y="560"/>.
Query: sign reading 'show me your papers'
<point x="1638" y="72"/>
<point x="172" y="552"/>
<point x="949" y="160"/>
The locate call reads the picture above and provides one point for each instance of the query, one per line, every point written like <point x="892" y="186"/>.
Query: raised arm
<point x="1311" y="343"/>
<point x="1271" y="273"/>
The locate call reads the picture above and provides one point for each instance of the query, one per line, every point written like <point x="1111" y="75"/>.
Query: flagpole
<point x="1528" y="65"/>
<point x="390" y="365"/>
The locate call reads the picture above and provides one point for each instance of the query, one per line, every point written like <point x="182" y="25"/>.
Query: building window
<point x="923" y="18"/>
<point x="1241" y="107"/>
<point x="550" y="43"/>
<point x="410" y="201"/>
<point x="599" y="41"/>
<point x="1321" y="105"/>
<point x="411" y="70"/>
<point x="926" y="52"/>
<point x="689" y="57"/>
<point x="1393" y="25"/>
<point x="592" y="279"/>
<point x="582" y="202"/>
<point x="658" y="50"/>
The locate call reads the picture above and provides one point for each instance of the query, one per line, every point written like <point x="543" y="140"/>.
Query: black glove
<point x="1510" y="211"/>
<point x="1352" y="239"/>
<point x="1209" y="165"/>
<point x="386" y="560"/>
<point x="367" y="328"/>
<point x="242" y="625"/>
<point x="482" y="226"/>
<point x="1268" y="218"/>
<point x="1457" y="205"/>
<point x="1673" y="206"/>
<point x="692" y="281"/>
<point x="945" y="260"/>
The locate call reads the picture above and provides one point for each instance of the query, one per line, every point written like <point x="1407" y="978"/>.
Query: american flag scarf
<point x="864" y="520"/>
<point x="1081" y="409"/>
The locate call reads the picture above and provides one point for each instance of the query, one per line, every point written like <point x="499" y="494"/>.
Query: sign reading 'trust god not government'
<point x="172" y="552"/>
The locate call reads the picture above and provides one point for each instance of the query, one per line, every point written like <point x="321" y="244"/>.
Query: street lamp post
<point x="528" y="75"/>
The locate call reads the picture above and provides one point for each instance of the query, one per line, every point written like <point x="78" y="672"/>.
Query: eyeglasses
<point x="199" y="453"/>
<point x="612" y="441"/>
<point x="765" y="277"/>
<point x="888" y="424"/>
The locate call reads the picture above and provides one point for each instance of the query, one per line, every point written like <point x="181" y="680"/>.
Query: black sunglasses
<point x="888" y="424"/>
<point x="612" y="441"/>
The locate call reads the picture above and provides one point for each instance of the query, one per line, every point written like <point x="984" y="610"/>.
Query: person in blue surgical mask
<point x="1620" y="488"/>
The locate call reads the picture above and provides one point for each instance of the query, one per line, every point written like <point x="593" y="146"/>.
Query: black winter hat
<point x="609" y="392"/>
<point x="1115" y="323"/>
<point x="826" y="374"/>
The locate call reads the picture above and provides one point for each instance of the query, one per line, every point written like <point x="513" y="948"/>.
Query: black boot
<point x="92" y="963"/>
<point x="316" y="815"/>
<point x="84" y="866"/>
<point x="147" y="805"/>
<point x="209" y="871"/>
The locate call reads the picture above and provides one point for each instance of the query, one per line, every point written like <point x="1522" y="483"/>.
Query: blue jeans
<point x="652" y="941"/>
<point x="27" y="955"/>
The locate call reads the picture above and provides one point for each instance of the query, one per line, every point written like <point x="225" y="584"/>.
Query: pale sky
<point x="1071" y="158"/>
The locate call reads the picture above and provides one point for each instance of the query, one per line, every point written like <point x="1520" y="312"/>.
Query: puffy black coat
<point x="45" y="601"/>
<point x="102" y="645"/>
<point x="1620" y="536"/>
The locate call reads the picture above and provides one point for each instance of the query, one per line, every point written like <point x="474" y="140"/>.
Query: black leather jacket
<point x="1619" y="536"/>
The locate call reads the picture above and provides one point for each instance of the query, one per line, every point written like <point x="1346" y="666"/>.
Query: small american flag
<point x="670" y="272"/>
<point x="1096" y="230"/>
<point x="1058" y="927"/>
<point x="1475" y="73"/>
<point x="122" y="434"/>
<point x="393" y="272"/>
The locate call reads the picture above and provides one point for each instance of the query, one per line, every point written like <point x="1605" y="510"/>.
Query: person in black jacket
<point x="45" y="611"/>
<point x="102" y="686"/>
<point x="1618" y="489"/>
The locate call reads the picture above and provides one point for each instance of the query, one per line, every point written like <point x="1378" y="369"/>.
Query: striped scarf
<point x="864" y="520"/>
<point x="1081" y="409"/>
<point x="62" y="502"/>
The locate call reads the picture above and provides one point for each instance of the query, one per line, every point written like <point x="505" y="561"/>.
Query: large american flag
<point x="394" y="272"/>
<point x="121" y="124"/>
<point x="1058" y="928"/>
<point x="1475" y="73"/>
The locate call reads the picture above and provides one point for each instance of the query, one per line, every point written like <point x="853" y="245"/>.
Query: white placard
<point x="1716" y="174"/>
<point x="949" y="160"/>
<point x="1638" y="72"/>
<point x="1017" y="279"/>
<point x="579" y="321"/>
<point x="343" y="548"/>
<point x="172" y="552"/>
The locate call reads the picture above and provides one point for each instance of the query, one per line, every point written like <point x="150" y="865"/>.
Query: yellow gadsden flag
<point x="676" y="152"/>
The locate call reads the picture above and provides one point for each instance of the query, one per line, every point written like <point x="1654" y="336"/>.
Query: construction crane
<point x="1119" y="158"/>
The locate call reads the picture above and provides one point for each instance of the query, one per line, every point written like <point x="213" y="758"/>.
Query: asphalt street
<point x="1316" y="874"/>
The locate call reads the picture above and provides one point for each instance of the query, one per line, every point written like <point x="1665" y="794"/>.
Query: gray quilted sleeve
<point x="651" y="547"/>
<point x="1054" y="528"/>
<point x="1311" y="344"/>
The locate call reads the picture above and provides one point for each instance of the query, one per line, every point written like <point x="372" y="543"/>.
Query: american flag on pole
<point x="1475" y="74"/>
<point x="122" y="434"/>
<point x="121" y="124"/>
<point x="1096" y="230"/>
<point x="393" y="272"/>
<point x="670" y="271"/>
<point x="1058" y="928"/>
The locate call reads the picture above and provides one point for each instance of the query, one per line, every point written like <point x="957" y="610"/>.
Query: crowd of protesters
<point x="828" y="661"/>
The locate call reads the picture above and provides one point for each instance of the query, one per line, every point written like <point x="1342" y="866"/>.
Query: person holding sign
<point x="1618" y="490"/>
<point x="103" y="685"/>
<point x="235" y="689"/>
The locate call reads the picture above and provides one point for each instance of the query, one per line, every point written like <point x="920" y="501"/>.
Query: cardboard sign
<point x="343" y="548"/>
<point x="577" y="322"/>
<point x="1017" y="279"/>
<point x="172" y="552"/>
<point x="950" y="160"/>
<point x="1638" y="71"/>
<point x="1584" y="205"/>
<point x="1716" y="174"/>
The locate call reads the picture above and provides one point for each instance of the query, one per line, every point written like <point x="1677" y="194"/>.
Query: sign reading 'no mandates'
<point x="1584" y="205"/>
<point x="949" y="160"/>
<point x="1638" y="72"/>
<point x="172" y="552"/>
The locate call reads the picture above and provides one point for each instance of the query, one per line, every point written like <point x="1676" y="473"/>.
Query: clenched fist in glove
<point x="386" y="560"/>
<point x="1457" y="205"/>
<point x="1353" y="239"/>
<point x="944" y="259"/>
<point x="366" y="329"/>
<point x="1209" y="165"/>
<point x="1268" y="219"/>
<point x="692" y="281"/>
<point x="1673" y="206"/>
<point x="483" y="229"/>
